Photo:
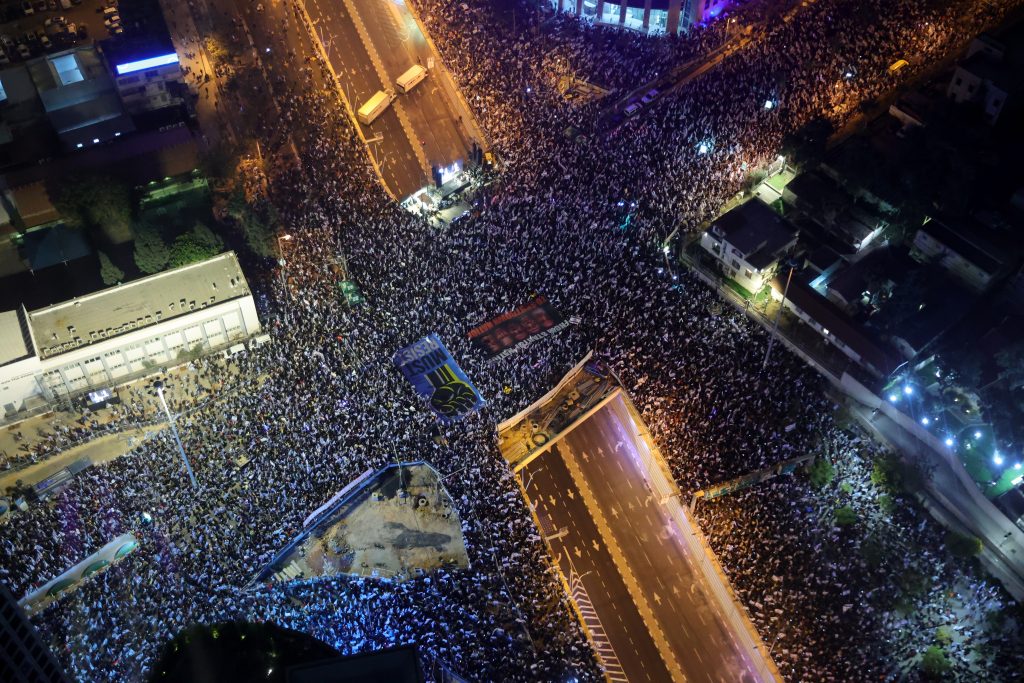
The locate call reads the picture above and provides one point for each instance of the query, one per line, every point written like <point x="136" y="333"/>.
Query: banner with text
<point x="517" y="329"/>
<point x="438" y="378"/>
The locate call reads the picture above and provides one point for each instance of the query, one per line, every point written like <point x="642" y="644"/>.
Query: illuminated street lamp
<point x="159" y="387"/>
<point x="283" y="263"/>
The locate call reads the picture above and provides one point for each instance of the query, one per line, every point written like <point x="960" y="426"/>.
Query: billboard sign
<point x="517" y="329"/>
<point x="436" y="376"/>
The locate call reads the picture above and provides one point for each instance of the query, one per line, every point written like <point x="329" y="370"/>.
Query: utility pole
<point x="775" y="324"/>
<point x="284" y="277"/>
<point x="159" y="386"/>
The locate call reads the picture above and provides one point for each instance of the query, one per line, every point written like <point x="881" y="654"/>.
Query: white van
<point x="375" y="106"/>
<point x="109" y="12"/>
<point x="411" y="78"/>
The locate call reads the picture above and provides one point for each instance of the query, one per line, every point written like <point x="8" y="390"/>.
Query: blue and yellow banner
<point x="438" y="378"/>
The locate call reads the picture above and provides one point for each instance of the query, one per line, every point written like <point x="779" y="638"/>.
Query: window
<point x="747" y="273"/>
<point x="735" y="264"/>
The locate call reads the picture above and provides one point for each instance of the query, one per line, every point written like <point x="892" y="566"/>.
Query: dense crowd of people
<point x="323" y="402"/>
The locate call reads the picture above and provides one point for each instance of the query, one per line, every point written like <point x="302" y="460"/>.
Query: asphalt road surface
<point x="401" y="44"/>
<point x="359" y="81"/>
<point x="582" y="552"/>
<point x="659" y="560"/>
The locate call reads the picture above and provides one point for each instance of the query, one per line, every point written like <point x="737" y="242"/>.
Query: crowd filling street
<point x="583" y="221"/>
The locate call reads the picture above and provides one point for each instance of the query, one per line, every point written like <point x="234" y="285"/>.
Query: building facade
<point x="109" y="337"/>
<point x="963" y="252"/>
<point x="748" y="242"/>
<point x="646" y="16"/>
<point x="24" y="655"/>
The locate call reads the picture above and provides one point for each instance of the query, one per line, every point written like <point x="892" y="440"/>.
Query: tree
<point x="151" y="252"/>
<point x="98" y="203"/>
<point x="885" y="474"/>
<point x="805" y="147"/>
<point x="1011" y="365"/>
<point x="845" y="516"/>
<point x="256" y="229"/>
<point x="109" y="273"/>
<point x="198" y="244"/>
<point x="963" y="545"/>
<point x="821" y="473"/>
<point x="934" y="663"/>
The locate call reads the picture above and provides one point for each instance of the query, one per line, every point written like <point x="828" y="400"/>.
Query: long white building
<point x="107" y="337"/>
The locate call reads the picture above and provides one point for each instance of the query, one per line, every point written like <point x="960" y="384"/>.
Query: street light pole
<point x="284" y="278"/>
<point x="775" y="324"/>
<point x="159" y="385"/>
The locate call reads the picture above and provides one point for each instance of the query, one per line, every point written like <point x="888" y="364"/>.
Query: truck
<point x="375" y="106"/>
<point x="411" y="78"/>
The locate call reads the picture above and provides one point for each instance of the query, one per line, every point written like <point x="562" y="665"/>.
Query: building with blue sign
<point x="645" y="16"/>
<point x="144" y="65"/>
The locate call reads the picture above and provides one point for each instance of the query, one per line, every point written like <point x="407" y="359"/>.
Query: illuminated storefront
<point x="645" y="16"/>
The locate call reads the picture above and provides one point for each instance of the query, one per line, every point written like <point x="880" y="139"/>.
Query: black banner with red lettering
<point x="517" y="329"/>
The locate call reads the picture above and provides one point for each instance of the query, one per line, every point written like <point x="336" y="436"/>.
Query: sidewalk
<point x="947" y="501"/>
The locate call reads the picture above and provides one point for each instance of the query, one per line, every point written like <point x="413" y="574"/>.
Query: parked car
<point x="65" y="4"/>
<point x="633" y="109"/>
<point x="649" y="96"/>
<point x="83" y="31"/>
<point x="23" y="51"/>
<point x="7" y="41"/>
<point x="116" y="30"/>
<point x="40" y="6"/>
<point x="44" y="39"/>
<point x="4" y="59"/>
<point x="27" y="9"/>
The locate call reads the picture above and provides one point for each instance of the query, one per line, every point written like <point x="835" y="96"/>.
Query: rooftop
<point x="756" y="231"/>
<point x="145" y="34"/>
<point x="817" y="193"/>
<point x="13" y="344"/>
<point x="136" y="305"/>
<point x="838" y="324"/>
<point x="970" y="244"/>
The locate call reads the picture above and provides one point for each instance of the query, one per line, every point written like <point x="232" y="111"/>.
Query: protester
<point x="582" y="221"/>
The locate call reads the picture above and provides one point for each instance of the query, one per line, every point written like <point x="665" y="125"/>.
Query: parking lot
<point x="32" y="28"/>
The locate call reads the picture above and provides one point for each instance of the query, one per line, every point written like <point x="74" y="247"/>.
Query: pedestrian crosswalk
<point x="609" y="661"/>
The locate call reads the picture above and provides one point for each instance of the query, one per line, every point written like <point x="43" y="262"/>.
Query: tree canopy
<point x="100" y="204"/>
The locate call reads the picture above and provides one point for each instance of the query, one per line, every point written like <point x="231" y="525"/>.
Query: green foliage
<point x="1011" y="365"/>
<point x="892" y="476"/>
<point x="934" y="663"/>
<point x="845" y="516"/>
<point x="109" y="273"/>
<point x="873" y="551"/>
<point x="846" y="488"/>
<point x="198" y="244"/>
<point x="805" y="147"/>
<point x="753" y="179"/>
<point x="943" y="635"/>
<point x="98" y="203"/>
<point x="885" y="474"/>
<point x="821" y="473"/>
<point x="256" y="229"/>
<point x="151" y="252"/>
<point x="886" y="503"/>
<point x="963" y="545"/>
